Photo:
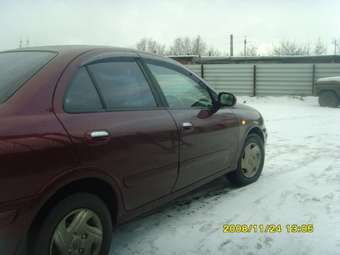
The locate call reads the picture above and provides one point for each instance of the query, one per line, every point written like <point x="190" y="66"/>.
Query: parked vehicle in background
<point x="94" y="136"/>
<point x="328" y="90"/>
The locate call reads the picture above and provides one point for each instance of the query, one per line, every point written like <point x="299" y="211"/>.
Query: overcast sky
<point x="124" y="22"/>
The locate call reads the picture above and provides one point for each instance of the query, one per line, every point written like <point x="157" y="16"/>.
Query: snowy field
<point x="300" y="184"/>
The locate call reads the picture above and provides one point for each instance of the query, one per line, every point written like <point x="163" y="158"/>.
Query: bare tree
<point x="150" y="45"/>
<point x="199" y="47"/>
<point x="177" y="47"/>
<point x="181" y="46"/>
<point x="251" y="52"/>
<point x="142" y="44"/>
<point x="320" y="48"/>
<point x="214" y="52"/>
<point x="287" y="48"/>
<point x="187" y="46"/>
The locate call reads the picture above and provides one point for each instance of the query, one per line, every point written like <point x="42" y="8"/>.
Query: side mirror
<point x="226" y="99"/>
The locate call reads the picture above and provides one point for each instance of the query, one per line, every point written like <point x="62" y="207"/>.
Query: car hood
<point x="329" y="80"/>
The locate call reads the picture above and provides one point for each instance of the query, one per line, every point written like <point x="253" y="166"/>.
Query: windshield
<point x="18" y="67"/>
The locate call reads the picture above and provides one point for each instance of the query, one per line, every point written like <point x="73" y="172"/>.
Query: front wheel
<point x="78" y="225"/>
<point x="251" y="162"/>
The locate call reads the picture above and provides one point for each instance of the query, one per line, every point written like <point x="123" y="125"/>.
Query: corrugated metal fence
<point x="265" y="79"/>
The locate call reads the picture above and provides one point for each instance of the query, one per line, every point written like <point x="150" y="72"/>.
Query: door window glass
<point x="122" y="84"/>
<point x="180" y="90"/>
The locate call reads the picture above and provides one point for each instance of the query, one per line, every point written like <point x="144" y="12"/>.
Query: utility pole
<point x="335" y="46"/>
<point x="231" y="45"/>
<point x="20" y="43"/>
<point x="27" y="42"/>
<point x="245" y="46"/>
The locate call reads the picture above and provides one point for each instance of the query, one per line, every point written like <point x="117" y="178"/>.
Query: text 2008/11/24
<point x="268" y="228"/>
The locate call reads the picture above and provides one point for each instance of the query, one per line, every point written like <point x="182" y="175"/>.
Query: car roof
<point x="75" y="50"/>
<point x="70" y="48"/>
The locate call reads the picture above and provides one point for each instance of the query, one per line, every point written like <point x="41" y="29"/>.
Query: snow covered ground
<point x="300" y="184"/>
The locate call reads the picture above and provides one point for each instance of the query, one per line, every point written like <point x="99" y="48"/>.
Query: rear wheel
<point x="251" y="162"/>
<point x="328" y="99"/>
<point x="79" y="224"/>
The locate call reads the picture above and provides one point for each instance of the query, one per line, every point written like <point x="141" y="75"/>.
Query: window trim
<point x="156" y="94"/>
<point x="188" y="74"/>
<point x="154" y="83"/>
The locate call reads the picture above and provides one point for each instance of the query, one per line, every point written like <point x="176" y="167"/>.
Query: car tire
<point x="79" y="222"/>
<point x="328" y="99"/>
<point x="252" y="156"/>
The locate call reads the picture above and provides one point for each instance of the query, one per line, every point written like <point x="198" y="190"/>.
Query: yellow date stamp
<point x="268" y="228"/>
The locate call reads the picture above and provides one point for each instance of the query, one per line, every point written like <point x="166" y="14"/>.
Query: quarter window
<point x="180" y="90"/>
<point x="122" y="84"/>
<point x="82" y="96"/>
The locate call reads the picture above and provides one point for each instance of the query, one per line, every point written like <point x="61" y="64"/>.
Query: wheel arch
<point x="244" y="134"/>
<point x="234" y="176"/>
<point x="326" y="97"/>
<point x="328" y="89"/>
<point x="255" y="130"/>
<point x="59" y="189"/>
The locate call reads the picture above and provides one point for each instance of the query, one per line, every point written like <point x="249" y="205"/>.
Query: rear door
<point x="208" y="142"/>
<point x="113" y="116"/>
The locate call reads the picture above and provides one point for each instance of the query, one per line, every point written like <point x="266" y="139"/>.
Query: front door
<point x="114" y="120"/>
<point x="208" y="142"/>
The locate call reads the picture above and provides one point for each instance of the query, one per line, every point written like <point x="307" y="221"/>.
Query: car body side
<point x="40" y="164"/>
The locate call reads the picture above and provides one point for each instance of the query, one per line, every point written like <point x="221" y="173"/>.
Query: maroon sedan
<point x="90" y="137"/>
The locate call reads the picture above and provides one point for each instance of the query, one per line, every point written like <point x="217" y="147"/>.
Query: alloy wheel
<point x="79" y="233"/>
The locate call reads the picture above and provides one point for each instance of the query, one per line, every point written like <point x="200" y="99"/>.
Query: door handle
<point x="99" y="134"/>
<point x="187" y="125"/>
